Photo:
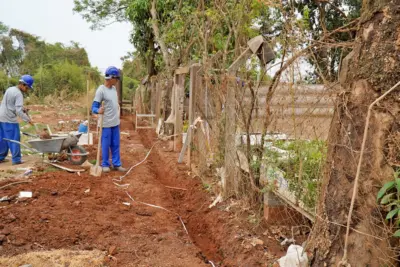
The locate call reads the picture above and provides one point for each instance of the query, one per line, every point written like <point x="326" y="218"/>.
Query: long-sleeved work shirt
<point x="12" y="106"/>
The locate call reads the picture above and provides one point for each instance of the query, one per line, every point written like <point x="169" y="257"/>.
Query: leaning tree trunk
<point x="367" y="72"/>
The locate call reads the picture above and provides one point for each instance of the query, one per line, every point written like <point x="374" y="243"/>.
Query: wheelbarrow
<point x="57" y="144"/>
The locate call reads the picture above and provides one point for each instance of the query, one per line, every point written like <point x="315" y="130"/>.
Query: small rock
<point x="54" y="193"/>
<point x="77" y="203"/>
<point x="255" y="241"/>
<point x="5" y="231"/>
<point x="19" y="242"/>
<point x="87" y="247"/>
<point x="111" y="250"/>
<point x="26" y="265"/>
<point x="10" y="218"/>
<point x="2" y="238"/>
<point x="247" y="246"/>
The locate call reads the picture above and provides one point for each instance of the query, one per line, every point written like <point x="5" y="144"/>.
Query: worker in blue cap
<point x="110" y="139"/>
<point x="12" y="107"/>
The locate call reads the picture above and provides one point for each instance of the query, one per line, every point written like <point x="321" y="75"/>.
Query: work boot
<point x="106" y="169"/>
<point x="4" y="160"/>
<point x="18" y="163"/>
<point x="120" y="169"/>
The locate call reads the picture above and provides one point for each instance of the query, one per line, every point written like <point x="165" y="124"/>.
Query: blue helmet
<point x="28" y="80"/>
<point x="112" y="72"/>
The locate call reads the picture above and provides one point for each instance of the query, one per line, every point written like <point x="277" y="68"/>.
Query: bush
<point x="302" y="166"/>
<point x="63" y="77"/>
<point x="6" y="82"/>
<point x="3" y="82"/>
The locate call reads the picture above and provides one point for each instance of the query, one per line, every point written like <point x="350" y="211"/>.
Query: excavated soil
<point x="78" y="212"/>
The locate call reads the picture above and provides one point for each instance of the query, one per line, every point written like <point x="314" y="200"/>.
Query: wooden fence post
<point x="230" y="183"/>
<point x="179" y="98"/>
<point x="194" y="83"/>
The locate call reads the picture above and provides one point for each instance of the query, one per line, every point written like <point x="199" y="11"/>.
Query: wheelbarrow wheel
<point x="76" y="157"/>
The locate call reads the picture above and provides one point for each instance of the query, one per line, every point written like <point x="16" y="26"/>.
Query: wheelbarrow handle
<point x="27" y="147"/>
<point x="36" y="128"/>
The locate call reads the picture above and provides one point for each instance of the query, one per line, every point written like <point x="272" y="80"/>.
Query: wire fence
<point x="246" y="137"/>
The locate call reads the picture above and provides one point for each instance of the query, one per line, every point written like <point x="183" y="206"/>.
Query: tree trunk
<point x="156" y="30"/>
<point x="367" y="72"/>
<point x="151" y="66"/>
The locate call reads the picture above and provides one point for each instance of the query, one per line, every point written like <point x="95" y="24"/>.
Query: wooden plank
<point x="239" y="61"/>
<point x="304" y="212"/>
<point x="65" y="168"/>
<point x="182" y="70"/>
<point x="146" y="115"/>
<point x="186" y="145"/>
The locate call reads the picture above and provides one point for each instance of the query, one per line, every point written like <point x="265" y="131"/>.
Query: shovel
<point x="96" y="169"/>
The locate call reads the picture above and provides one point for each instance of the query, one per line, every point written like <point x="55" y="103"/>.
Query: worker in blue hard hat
<point x="12" y="107"/>
<point x="110" y="139"/>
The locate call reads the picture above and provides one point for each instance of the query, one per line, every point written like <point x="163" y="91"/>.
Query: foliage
<point x="4" y="83"/>
<point x="55" y="67"/>
<point x="3" y="28"/>
<point x="134" y="67"/>
<point x="301" y="162"/>
<point x="389" y="198"/>
<point x="323" y="18"/>
<point x="60" y="77"/>
<point x="190" y="29"/>
<point x="129" y="87"/>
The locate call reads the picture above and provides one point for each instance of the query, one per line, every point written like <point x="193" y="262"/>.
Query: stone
<point x="19" y="242"/>
<point x="10" y="218"/>
<point x="5" y="231"/>
<point x="111" y="250"/>
<point x="255" y="241"/>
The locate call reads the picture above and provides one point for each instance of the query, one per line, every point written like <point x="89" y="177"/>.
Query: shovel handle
<point x="99" y="141"/>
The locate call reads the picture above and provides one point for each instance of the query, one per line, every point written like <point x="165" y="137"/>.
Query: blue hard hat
<point x="28" y="80"/>
<point x="112" y="72"/>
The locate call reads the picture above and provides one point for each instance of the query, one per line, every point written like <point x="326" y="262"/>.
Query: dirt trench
<point x="84" y="213"/>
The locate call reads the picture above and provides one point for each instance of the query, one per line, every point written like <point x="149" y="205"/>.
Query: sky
<point x="54" y="21"/>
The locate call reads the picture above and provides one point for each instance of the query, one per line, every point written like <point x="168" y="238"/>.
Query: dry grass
<point x="56" y="258"/>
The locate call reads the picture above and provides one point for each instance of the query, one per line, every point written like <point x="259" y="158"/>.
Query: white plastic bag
<point x="295" y="257"/>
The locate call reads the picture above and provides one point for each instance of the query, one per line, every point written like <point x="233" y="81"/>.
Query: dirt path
<point x="61" y="215"/>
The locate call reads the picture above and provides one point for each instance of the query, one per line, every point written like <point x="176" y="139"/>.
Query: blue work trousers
<point x="10" y="131"/>
<point x="110" y="142"/>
